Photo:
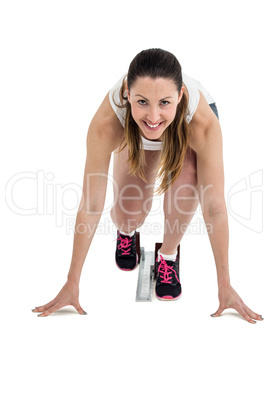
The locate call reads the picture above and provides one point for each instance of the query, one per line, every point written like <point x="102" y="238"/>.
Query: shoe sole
<point x="168" y="298"/>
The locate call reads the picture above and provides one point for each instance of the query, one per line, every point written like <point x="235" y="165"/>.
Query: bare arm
<point x="104" y="136"/>
<point x="206" y="141"/>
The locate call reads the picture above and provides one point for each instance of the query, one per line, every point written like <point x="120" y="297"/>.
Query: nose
<point x="153" y="115"/>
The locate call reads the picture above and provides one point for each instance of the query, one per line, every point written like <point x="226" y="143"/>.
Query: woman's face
<point x="153" y="103"/>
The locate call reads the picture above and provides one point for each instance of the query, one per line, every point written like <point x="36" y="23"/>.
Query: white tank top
<point x="192" y="86"/>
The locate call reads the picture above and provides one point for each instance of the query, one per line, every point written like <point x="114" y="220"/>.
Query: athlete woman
<point x="158" y="123"/>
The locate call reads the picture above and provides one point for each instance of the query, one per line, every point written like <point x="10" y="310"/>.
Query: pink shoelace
<point x="166" y="270"/>
<point x="125" y="245"/>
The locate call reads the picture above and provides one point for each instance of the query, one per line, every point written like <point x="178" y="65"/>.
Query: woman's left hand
<point x="228" y="298"/>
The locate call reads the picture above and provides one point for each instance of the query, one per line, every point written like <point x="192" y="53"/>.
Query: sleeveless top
<point x="192" y="85"/>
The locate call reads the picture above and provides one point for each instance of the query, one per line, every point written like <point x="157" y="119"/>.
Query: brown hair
<point x="156" y="63"/>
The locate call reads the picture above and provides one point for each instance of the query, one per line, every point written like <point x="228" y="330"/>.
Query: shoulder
<point x="203" y="122"/>
<point x="105" y="126"/>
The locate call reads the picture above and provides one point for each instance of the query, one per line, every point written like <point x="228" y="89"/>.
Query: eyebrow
<point x="160" y="99"/>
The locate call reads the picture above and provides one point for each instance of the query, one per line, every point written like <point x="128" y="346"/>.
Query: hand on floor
<point x="228" y="298"/>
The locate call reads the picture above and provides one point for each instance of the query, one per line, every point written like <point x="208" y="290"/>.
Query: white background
<point x="58" y="61"/>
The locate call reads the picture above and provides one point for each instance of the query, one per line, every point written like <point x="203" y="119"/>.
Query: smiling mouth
<point x="152" y="127"/>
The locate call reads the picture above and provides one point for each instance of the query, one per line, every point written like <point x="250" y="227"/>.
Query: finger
<point x="251" y="313"/>
<point x="45" y="306"/>
<point x="218" y="312"/>
<point x="51" y="310"/>
<point x="79" y="309"/>
<point x="244" y="314"/>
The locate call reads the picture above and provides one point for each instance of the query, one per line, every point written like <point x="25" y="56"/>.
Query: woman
<point x="161" y="124"/>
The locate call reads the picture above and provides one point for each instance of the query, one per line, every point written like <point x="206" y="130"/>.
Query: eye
<point x="163" y="103"/>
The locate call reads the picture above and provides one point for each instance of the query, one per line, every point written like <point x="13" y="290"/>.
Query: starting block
<point x="147" y="270"/>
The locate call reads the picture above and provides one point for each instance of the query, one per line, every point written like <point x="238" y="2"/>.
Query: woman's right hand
<point x="69" y="295"/>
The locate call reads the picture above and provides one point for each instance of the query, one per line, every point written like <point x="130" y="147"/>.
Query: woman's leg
<point x="132" y="196"/>
<point x="180" y="203"/>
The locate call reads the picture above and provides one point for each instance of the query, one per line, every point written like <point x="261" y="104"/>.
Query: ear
<point x="181" y="94"/>
<point x="128" y="93"/>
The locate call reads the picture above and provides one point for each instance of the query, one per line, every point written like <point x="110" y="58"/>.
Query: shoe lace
<point x="125" y="244"/>
<point x="166" y="271"/>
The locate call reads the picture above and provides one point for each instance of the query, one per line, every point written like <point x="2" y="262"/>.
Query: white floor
<point x="124" y="349"/>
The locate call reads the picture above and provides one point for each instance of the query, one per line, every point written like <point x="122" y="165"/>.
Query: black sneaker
<point x="168" y="286"/>
<point x="126" y="256"/>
